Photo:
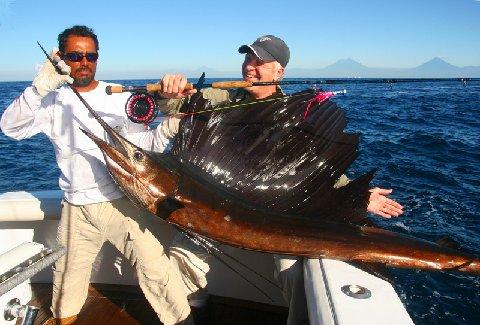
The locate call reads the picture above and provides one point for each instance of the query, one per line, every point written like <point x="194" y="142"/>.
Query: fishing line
<point x="207" y="245"/>
<point x="211" y="245"/>
<point x="242" y="105"/>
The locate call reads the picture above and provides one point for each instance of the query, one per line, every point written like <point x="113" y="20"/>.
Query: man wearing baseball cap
<point x="265" y="60"/>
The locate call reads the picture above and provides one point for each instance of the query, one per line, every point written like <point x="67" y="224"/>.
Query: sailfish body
<point x="263" y="178"/>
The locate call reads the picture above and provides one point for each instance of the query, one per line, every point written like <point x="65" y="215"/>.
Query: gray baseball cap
<point x="268" y="48"/>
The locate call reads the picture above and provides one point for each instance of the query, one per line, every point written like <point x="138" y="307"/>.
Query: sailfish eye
<point x="138" y="155"/>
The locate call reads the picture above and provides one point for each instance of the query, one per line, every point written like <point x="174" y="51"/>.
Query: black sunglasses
<point x="77" y="57"/>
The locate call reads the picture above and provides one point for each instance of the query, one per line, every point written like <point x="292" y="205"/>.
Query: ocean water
<point x="424" y="140"/>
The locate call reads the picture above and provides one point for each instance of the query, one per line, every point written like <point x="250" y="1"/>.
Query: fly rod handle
<point x="231" y="84"/>
<point x="148" y="88"/>
<point x="151" y="88"/>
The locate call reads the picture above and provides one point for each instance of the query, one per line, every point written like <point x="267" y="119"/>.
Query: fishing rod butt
<point x="113" y="89"/>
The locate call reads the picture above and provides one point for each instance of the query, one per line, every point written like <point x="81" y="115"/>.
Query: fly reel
<point x="141" y="108"/>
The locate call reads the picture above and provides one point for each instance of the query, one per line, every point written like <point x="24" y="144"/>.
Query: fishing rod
<point x="150" y="88"/>
<point x="141" y="107"/>
<point x="245" y="84"/>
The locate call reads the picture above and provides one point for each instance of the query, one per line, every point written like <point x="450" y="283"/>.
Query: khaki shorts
<point x="83" y="230"/>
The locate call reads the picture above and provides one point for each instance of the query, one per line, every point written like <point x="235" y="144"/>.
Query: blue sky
<point x="141" y="38"/>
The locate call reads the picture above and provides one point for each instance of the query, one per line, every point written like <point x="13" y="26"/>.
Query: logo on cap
<point x="264" y="38"/>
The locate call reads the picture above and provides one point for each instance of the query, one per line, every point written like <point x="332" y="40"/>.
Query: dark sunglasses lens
<point x="92" y="57"/>
<point x="77" y="57"/>
<point x="74" y="57"/>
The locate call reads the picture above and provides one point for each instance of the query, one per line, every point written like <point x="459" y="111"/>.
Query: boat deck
<point x="121" y="304"/>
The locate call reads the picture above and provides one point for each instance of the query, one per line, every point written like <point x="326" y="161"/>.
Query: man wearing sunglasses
<point x="94" y="209"/>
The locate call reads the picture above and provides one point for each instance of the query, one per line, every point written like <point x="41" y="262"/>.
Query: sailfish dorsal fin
<point x="269" y="154"/>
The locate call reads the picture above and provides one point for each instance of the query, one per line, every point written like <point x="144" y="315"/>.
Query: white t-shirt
<point x="60" y="115"/>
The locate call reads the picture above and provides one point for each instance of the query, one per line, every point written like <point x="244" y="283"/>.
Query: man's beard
<point x="82" y="82"/>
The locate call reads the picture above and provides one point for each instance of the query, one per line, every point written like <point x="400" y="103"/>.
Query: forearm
<point x="18" y="119"/>
<point x="170" y="106"/>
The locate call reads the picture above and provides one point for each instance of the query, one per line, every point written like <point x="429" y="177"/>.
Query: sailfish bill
<point x="263" y="178"/>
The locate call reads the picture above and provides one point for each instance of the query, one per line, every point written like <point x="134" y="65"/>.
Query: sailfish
<point x="261" y="175"/>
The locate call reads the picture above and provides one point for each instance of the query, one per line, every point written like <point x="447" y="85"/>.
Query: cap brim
<point x="258" y="51"/>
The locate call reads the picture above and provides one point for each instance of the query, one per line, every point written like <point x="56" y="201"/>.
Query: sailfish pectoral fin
<point x="346" y="203"/>
<point x="355" y="197"/>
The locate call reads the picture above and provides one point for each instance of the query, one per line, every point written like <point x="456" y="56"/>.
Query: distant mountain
<point x="435" y="64"/>
<point x="349" y="68"/>
<point x="345" y="68"/>
<point x="436" y="67"/>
